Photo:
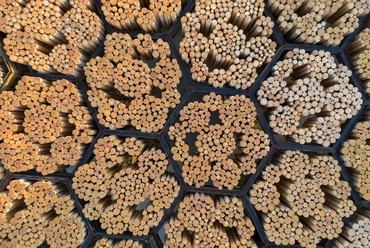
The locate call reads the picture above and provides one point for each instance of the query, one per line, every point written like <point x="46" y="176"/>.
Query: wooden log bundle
<point x="205" y="221"/>
<point x="359" y="53"/>
<point x="51" y="36"/>
<point x="134" y="84"/>
<point x="308" y="97"/>
<point x="146" y="15"/>
<point x="355" y="152"/>
<point x="302" y="198"/>
<point x="44" y="125"/>
<point x="309" y="21"/>
<point x="110" y="243"/>
<point x="34" y="212"/>
<point x="220" y="152"/>
<point x="127" y="186"/>
<point x="356" y="233"/>
<point x="226" y="43"/>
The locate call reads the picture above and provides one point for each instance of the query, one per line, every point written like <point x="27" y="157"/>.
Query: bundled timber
<point x="126" y="90"/>
<point x="147" y="15"/>
<point x="301" y="198"/>
<point x="309" y="21"/>
<point x="203" y="221"/>
<point x="51" y="36"/>
<point x="309" y="96"/>
<point x="222" y="152"/>
<point x="110" y="243"/>
<point x="227" y="42"/>
<point x="34" y="212"/>
<point x="355" y="152"/>
<point x="44" y="125"/>
<point x="127" y="186"/>
<point x="359" y="53"/>
<point x="356" y="232"/>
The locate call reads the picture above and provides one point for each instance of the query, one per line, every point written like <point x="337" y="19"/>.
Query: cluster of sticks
<point x="205" y="221"/>
<point x="227" y="42"/>
<point x="309" y="96"/>
<point x="44" y="125"/>
<point x="51" y="36"/>
<point x="355" y="152"/>
<point x="147" y="15"/>
<point x="221" y="152"/>
<point x="356" y="233"/>
<point x="126" y="89"/>
<point x="110" y="243"/>
<point x="302" y="199"/>
<point x="34" y="212"/>
<point x="359" y="52"/>
<point x="126" y="187"/>
<point x="310" y="21"/>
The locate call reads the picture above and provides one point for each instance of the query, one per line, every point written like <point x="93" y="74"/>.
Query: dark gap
<point x="190" y="141"/>
<point x="214" y="119"/>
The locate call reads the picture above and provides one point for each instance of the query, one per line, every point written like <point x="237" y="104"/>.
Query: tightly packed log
<point x="34" y="212"/>
<point x="127" y="186"/>
<point x="146" y="15"/>
<point x="301" y="198"/>
<point x="323" y="22"/>
<point x="134" y="83"/>
<point x="110" y="243"/>
<point x="356" y="157"/>
<point x="308" y="97"/>
<point x="44" y="125"/>
<point x="356" y="233"/>
<point x="51" y="36"/>
<point x="205" y="221"/>
<point x="219" y="152"/>
<point x="226" y="43"/>
<point x="359" y="53"/>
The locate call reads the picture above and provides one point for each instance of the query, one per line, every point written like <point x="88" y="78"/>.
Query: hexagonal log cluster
<point x="309" y="21"/>
<point x="309" y="96"/>
<point x="34" y="212"/>
<point x="359" y="53"/>
<point x="110" y="243"/>
<point x="127" y="186"/>
<point x="44" y="125"/>
<point x="51" y="36"/>
<point x="356" y="232"/>
<point x="227" y="42"/>
<point x="356" y="157"/>
<point x="302" y="198"/>
<point x="205" y="221"/>
<point x="146" y="15"/>
<point x="220" y="152"/>
<point x="126" y="90"/>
